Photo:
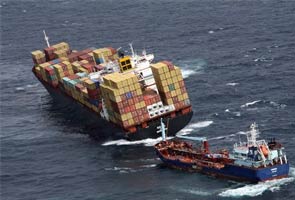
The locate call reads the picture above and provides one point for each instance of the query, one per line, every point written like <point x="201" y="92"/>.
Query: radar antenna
<point x="46" y="38"/>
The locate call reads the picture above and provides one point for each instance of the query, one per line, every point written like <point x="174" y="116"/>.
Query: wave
<point x="232" y="84"/>
<point x="190" y="128"/>
<point x="250" y="104"/>
<point x="191" y="67"/>
<point x="187" y="72"/>
<point x="152" y="141"/>
<point x="237" y="114"/>
<point x="130" y="170"/>
<point x="228" y="136"/>
<point x="256" y="189"/>
<point x="20" y="89"/>
<point x="145" y="142"/>
<point x="263" y="102"/>
<point x="26" y="86"/>
<point x="194" y="191"/>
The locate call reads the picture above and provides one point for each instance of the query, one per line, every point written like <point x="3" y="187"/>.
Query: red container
<point x="49" y="70"/>
<point x="73" y="57"/>
<point x="183" y="90"/>
<point x="114" y="51"/>
<point x="79" y="87"/>
<point x="98" y="67"/>
<point x="39" y="61"/>
<point x="134" y="114"/>
<point x="142" y="118"/>
<point x="127" y="109"/>
<point x="175" y="99"/>
<point x="49" y="53"/>
<point x="130" y="101"/>
<point x="120" y="105"/>
<point x="88" y="67"/>
<point x="125" y="103"/>
<point x="73" y="77"/>
<point x="169" y="65"/>
<point x="123" y="97"/>
<point x="86" y="57"/>
<point x="85" y="51"/>
<point x="132" y="108"/>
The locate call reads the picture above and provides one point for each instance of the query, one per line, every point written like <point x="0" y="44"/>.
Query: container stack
<point x="104" y="55"/>
<point x="59" y="50"/>
<point x="51" y="76"/>
<point x="124" y="100"/>
<point x="43" y="71"/>
<point x="83" y="66"/>
<point x="93" y="91"/>
<point x="170" y="84"/>
<point x="63" y="69"/>
<point x="38" y="57"/>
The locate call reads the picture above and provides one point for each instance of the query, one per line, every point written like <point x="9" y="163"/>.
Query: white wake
<point x="191" y="67"/>
<point x="195" y="126"/>
<point x="145" y="142"/>
<point x="259" y="188"/>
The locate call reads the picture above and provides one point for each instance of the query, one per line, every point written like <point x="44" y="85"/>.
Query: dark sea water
<point x="238" y="58"/>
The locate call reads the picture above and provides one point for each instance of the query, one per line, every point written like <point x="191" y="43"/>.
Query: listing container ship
<point x="252" y="161"/>
<point x="126" y="93"/>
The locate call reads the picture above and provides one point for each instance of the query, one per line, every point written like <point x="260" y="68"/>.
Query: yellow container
<point x="173" y="93"/>
<point x="142" y="104"/>
<point x="131" y="121"/>
<point x="37" y="54"/>
<point x="169" y="101"/>
<point x="166" y="89"/>
<point x="185" y="96"/>
<point x="173" y="73"/>
<point x="138" y="92"/>
<point x="137" y="105"/>
<point x="178" y="92"/>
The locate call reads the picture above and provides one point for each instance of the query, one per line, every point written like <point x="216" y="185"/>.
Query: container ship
<point x="251" y="161"/>
<point x="125" y="94"/>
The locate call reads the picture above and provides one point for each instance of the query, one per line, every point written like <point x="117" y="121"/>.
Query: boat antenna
<point x="162" y="129"/>
<point x="132" y="50"/>
<point x="46" y="38"/>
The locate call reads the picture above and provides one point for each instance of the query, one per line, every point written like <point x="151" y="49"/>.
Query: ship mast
<point x="251" y="137"/>
<point x="46" y="38"/>
<point x="132" y="50"/>
<point x="162" y="129"/>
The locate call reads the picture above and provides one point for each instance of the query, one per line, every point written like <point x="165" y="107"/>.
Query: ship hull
<point x="108" y="129"/>
<point x="233" y="172"/>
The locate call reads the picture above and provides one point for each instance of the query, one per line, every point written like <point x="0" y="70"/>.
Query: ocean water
<point x="238" y="60"/>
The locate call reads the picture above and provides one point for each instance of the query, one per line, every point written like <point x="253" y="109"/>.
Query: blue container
<point x="128" y="95"/>
<point x="81" y="74"/>
<point x="97" y="83"/>
<point x="56" y="61"/>
<point x="94" y="102"/>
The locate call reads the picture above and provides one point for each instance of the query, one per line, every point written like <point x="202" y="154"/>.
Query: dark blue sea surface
<point x="238" y="58"/>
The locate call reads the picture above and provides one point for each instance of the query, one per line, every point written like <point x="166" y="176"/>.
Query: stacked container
<point x="103" y="55"/>
<point x="124" y="100"/>
<point x="59" y="50"/>
<point x="93" y="91"/>
<point x="38" y="57"/>
<point x="63" y="69"/>
<point x="170" y="84"/>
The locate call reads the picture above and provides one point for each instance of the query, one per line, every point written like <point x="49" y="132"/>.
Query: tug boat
<point x="251" y="161"/>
